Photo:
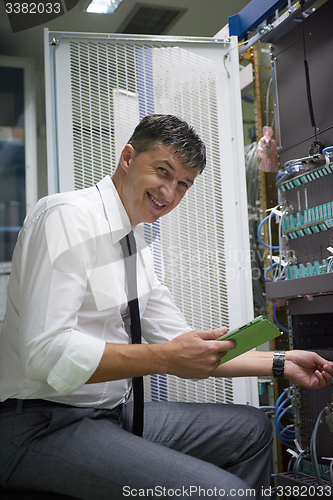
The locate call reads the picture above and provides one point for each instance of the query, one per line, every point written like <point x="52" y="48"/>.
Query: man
<point x="66" y="358"/>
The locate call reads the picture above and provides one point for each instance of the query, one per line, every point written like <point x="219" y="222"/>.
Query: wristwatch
<point x="278" y="364"/>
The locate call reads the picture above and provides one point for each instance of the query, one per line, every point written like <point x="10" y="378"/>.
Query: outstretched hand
<point x="308" y="369"/>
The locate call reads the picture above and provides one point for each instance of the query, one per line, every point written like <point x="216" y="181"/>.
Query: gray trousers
<point x="188" y="450"/>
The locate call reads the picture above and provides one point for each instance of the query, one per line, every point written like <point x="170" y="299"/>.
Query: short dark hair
<point x="155" y="130"/>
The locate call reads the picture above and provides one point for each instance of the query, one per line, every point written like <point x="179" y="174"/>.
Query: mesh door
<point x="113" y="84"/>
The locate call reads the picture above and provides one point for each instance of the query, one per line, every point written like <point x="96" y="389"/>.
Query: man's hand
<point x="308" y="369"/>
<point x="196" y="354"/>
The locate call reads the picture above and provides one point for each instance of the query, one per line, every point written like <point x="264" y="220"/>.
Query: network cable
<point x="270" y="268"/>
<point x="328" y="151"/>
<point x="313" y="452"/>
<point x="286" y="435"/>
<point x="277" y="322"/>
<point x="302" y="454"/>
<point x="269" y="217"/>
<point x="257" y="253"/>
<point x="292" y="166"/>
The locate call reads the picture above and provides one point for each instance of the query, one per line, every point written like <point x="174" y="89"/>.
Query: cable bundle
<point x="257" y="255"/>
<point x="286" y="434"/>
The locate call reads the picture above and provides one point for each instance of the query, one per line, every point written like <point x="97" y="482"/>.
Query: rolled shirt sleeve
<point x="77" y="363"/>
<point x="58" y="252"/>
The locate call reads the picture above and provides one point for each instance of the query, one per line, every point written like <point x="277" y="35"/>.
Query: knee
<point x="261" y="427"/>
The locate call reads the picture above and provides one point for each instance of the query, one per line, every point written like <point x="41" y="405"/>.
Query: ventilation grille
<point x="150" y="20"/>
<point x="170" y="388"/>
<point x="97" y="71"/>
<point x="115" y="84"/>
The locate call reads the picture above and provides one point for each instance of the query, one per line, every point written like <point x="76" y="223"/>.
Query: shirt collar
<point x="115" y="211"/>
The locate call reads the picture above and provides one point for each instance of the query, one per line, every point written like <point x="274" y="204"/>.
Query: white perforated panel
<point x="171" y="388"/>
<point x="113" y="83"/>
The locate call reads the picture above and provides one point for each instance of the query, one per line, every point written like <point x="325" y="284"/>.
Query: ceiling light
<point x="103" y="6"/>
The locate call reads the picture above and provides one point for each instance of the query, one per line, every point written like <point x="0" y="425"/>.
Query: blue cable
<point x="328" y="151"/>
<point x="267" y="269"/>
<point x="266" y="272"/>
<point x="277" y="322"/>
<point x="287" y="441"/>
<point x="282" y="178"/>
<point x="279" y="175"/>
<point x="259" y="237"/>
<point x="278" y="424"/>
<point x="286" y="435"/>
<point x="279" y="408"/>
<point x="286" y="438"/>
<point x="281" y="397"/>
<point x="282" y="431"/>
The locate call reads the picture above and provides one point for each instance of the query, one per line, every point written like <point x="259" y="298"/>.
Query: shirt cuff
<point x="78" y="362"/>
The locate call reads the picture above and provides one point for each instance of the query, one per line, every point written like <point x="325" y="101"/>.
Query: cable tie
<point x="292" y="452"/>
<point x="298" y="446"/>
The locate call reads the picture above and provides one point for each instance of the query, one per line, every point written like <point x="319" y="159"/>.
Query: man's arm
<point x="195" y="354"/>
<point x="305" y="368"/>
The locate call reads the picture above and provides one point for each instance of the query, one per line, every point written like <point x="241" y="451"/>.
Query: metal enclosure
<point x="97" y="88"/>
<point x="307" y="197"/>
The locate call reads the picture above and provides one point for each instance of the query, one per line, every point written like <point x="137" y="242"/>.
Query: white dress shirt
<point x="67" y="298"/>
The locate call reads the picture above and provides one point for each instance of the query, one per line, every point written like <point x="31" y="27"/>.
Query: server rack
<point x="303" y="278"/>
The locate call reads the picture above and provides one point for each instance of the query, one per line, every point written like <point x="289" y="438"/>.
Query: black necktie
<point x="128" y="246"/>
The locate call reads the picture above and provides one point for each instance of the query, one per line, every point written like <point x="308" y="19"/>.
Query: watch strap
<point x="278" y="364"/>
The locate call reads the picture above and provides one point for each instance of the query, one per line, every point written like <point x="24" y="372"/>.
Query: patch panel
<point x="307" y="177"/>
<point x="305" y="229"/>
<point x="314" y="220"/>
<point x="308" y="269"/>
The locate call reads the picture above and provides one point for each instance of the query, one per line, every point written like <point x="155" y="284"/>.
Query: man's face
<point x="154" y="183"/>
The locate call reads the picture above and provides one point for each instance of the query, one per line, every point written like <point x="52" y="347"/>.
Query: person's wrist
<point x="279" y="358"/>
<point x="162" y="355"/>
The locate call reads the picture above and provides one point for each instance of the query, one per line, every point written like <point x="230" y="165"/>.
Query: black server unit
<point x="305" y="185"/>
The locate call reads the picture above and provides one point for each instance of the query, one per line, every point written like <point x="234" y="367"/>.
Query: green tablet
<point x="256" y="332"/>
